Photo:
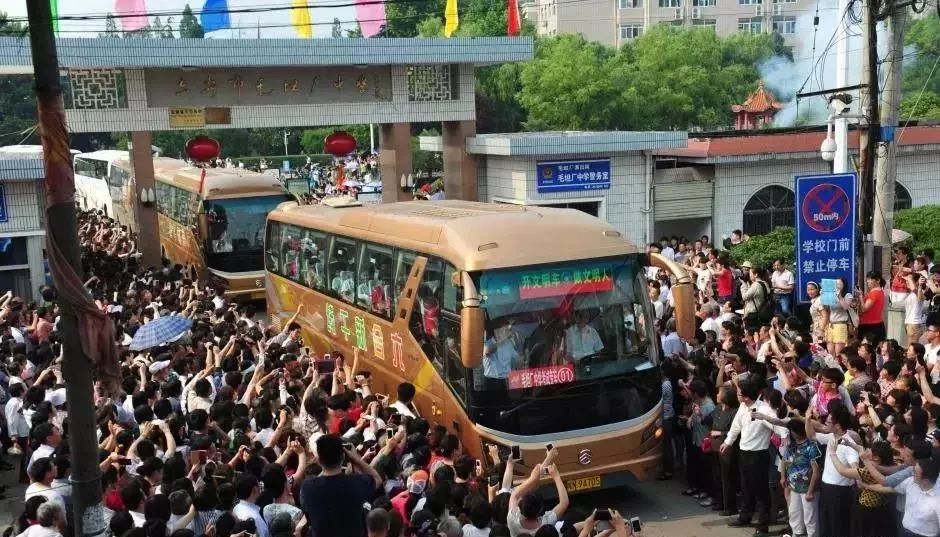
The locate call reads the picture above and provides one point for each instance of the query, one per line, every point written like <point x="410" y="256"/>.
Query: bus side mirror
<point x="683" y="295"/>
<point x="471" y="321"/>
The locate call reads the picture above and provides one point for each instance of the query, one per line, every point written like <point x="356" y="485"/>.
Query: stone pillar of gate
<point x="460" y="168"/>
<point x="394" y="160"/>
<point x="148" y="231"/>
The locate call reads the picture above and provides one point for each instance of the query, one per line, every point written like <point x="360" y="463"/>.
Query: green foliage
<point x="337" y="30"/>
<point x="311" y="140"/>
<point x="425" y="163"/>
<point x="927" y="105"/>
<point x="669" y="78"/>
<point x="405" y="18"/>
<point x="189" y="25"/>
<point x="923" y="223"/>
<point x="763" y="249"/>
<point x="110" y="27"/>
<point x="355" y="32"/>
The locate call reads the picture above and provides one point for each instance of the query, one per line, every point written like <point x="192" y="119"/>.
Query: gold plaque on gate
<point x="183" y="118"/>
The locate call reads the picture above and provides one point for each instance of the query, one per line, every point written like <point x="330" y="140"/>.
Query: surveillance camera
<point x="828" y="149"/>
<point x="839" y="103"/>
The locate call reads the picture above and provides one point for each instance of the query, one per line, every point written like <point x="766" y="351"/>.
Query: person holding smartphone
<point x="526" y="506"/>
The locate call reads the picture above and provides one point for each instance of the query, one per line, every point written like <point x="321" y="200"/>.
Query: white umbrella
<point x="899" y="235"/>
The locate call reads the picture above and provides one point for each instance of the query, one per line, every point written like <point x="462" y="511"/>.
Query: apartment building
<point x="615" y="22"/>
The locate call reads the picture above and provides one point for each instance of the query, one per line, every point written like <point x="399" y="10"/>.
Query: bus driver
<point x="582" y="339"/>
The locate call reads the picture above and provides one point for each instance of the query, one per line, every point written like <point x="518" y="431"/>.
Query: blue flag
<point x="214" y="16"/>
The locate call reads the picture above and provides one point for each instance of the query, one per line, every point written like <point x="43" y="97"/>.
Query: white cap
<point x="156" y="367"/>
<point x="56" y="397"/>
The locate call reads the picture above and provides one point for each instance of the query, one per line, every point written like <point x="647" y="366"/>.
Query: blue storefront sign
<point x="826" y="206"/>
<point x="573" y="175"/>
<point x="4" y="216"/>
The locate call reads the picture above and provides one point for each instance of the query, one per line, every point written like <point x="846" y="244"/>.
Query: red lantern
<point x="203" y="148"/>
<point x="339" y="144"/>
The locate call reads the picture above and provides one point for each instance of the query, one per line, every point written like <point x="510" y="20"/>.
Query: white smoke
<point x="811" y="70"/>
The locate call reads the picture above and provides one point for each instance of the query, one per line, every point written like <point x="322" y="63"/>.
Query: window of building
<point x="628" y="4"/>
<point x="342" y="267"/>
<point x="769" y="208"/>
<point x="670" y="3"/>
<point x="750" y="2"/>
<point x="13" y="252"/>
<point x="784" y="1"/>
<point x="754" y="25"/>
<point x="376" y="264"/>
<point x="785" y="25"/>
<point x="902" y="198"/>
<point x="705" y="23"/>
<point x="704" y="3"/>
<point x="631" y="31"/>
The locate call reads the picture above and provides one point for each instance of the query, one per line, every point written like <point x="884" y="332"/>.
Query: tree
<point x="919" y="105"/>
<point x="763" y="249"/>
<point x="356" y="31"/>
<point x="923" y="223"/>
<point x="189" y="25"/>
<point x="110" y="27"/>
<point x="425" y="163"/>
<point x="16" y="98"/>
<point x="404" y="18"/>
<point x="337" y="30"/>
<point x="311" y="140"/>
<point x="166" y="32"/>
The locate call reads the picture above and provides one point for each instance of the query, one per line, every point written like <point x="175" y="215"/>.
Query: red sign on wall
<point x="541" y="376"/>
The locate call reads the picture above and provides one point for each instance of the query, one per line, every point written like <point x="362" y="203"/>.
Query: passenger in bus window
<point x="544" y="345"/>
<point x="582" y="339"/>
<point x="500" y="354"/>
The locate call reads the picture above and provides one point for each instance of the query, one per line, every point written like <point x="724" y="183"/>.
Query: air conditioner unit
<point x="679" y="15"/>
<point x="696" y="13"/>
<point x="758" y="10"/>
<point x="778" y="9"/>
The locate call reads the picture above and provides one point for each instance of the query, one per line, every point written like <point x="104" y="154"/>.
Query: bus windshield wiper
<point x="536" y="398"/>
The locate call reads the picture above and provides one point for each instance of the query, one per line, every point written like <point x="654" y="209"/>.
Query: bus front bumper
<point x="250" y="284"/>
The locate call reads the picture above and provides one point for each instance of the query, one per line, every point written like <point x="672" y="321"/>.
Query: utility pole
<point x="868" y="140"/>
<point x="886" y="165"/>
<point x="65" y="264"/>
<point x="286" y="134"/>
<point x="840" y="163"/>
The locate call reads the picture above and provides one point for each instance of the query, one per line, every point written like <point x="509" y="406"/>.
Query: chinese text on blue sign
<point x="4" y="216"/>
<point x="825" y="229"/>
<point x="573" y="175"/>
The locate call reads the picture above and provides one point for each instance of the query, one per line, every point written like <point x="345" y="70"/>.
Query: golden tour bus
<point x="213" y="219"/>
<point x="518" y="325"/>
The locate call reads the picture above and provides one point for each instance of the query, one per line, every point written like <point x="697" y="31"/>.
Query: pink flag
<point x="371" y="16"/>
<point x="133" y="14"/>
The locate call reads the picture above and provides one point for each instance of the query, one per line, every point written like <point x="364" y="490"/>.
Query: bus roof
<point x="471" y="235"/>
<point x="107" y="155"/>
<point x="222" y="182"/>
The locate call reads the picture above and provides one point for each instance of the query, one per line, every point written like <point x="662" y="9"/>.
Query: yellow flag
<point x="451" y="18"/>
<point x="300" y="18"/>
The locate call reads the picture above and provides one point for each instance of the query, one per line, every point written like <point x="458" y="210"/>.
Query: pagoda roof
<point x="761" y="100"/>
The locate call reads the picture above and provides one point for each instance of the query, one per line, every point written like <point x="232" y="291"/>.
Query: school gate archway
<point x="145" y="85"/>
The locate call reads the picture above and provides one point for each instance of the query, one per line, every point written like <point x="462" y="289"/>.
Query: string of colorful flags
<point x="370" y="14"/>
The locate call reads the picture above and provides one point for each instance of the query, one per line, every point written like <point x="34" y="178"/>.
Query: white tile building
<point x="22" y="222"/>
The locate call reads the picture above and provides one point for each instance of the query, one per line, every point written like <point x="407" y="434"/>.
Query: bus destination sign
<point x="563" y="282"/>
<point x="541" y="376"/>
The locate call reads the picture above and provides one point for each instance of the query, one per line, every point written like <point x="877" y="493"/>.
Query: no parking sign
<point x="825" y="229"/>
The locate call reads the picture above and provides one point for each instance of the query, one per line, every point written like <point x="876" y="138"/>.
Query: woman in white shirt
<point x="914" y="308"/>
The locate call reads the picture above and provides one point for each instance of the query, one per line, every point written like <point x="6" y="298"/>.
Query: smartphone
<point x="516" y="453"/>
<point x="493" y="480"/>
<point x="306" y="351"/>
<point x="326" y="366"/>
<point x="602" y="515"/>
<point x="124" y="461"/>
<point x="635" y="523"/>
<point x="115" y="297"/>
<point x="753" y="410"/>
<point x="549" y="446"/>
<point x="389" y="432"/>
<point x="545" y="471"/>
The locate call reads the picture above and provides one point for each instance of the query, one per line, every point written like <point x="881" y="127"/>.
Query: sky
<point x="273" y="24"/>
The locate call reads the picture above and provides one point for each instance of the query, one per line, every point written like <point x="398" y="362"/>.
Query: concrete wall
<point x="513" y="179"/>
<point x="26" y="220"/>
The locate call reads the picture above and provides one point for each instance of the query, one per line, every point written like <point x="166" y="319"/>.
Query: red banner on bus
<point x="541" y="376"/>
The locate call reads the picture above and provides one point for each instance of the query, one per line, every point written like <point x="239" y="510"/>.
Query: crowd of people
<point x="233" y="429"/>
<point x="804" y="415"/>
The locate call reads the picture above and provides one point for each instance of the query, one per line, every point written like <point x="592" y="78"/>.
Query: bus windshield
<point x="236" y="231"/>
<point x="564" y="336"/>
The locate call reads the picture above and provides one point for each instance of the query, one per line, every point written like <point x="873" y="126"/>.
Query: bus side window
<point x="342" y="273"/>
<point x="375" y="270"/>
<point x="272" y="254"/>
<point x="426" y="315"/>
<point x="290" y="252"/>
<point x="313" y="259"/>
<point x="455" y="373"/>
<point x="450" y="290"/>
<point x="406" y="261"/>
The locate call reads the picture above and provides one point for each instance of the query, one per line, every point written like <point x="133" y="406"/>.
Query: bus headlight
<point x="655" y="430"/>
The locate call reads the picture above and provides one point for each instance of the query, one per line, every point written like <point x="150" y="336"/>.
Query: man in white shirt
<point x="50" y="436"/>
<point x="667" y="249"/>
<point x="921" y="501"/>
<point x="672" y="344"/>
<point x="837" y="492"/>
<point x="41" y="475"/>
<point x="709" y="313"/>
<point x="582" y="339"/>
<point x="246" y="488"/>
<point x="753" y="456"/>
<point x="932" y="347"/>
<point x="782" y="282"/>
<point x="500" y="353"/>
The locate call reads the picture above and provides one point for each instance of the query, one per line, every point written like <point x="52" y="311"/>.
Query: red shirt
<point x="725" y="282"/>
<point x="875" y="312"/>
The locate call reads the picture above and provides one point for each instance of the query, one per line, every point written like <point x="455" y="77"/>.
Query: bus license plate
<point x="584" y="483"/>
